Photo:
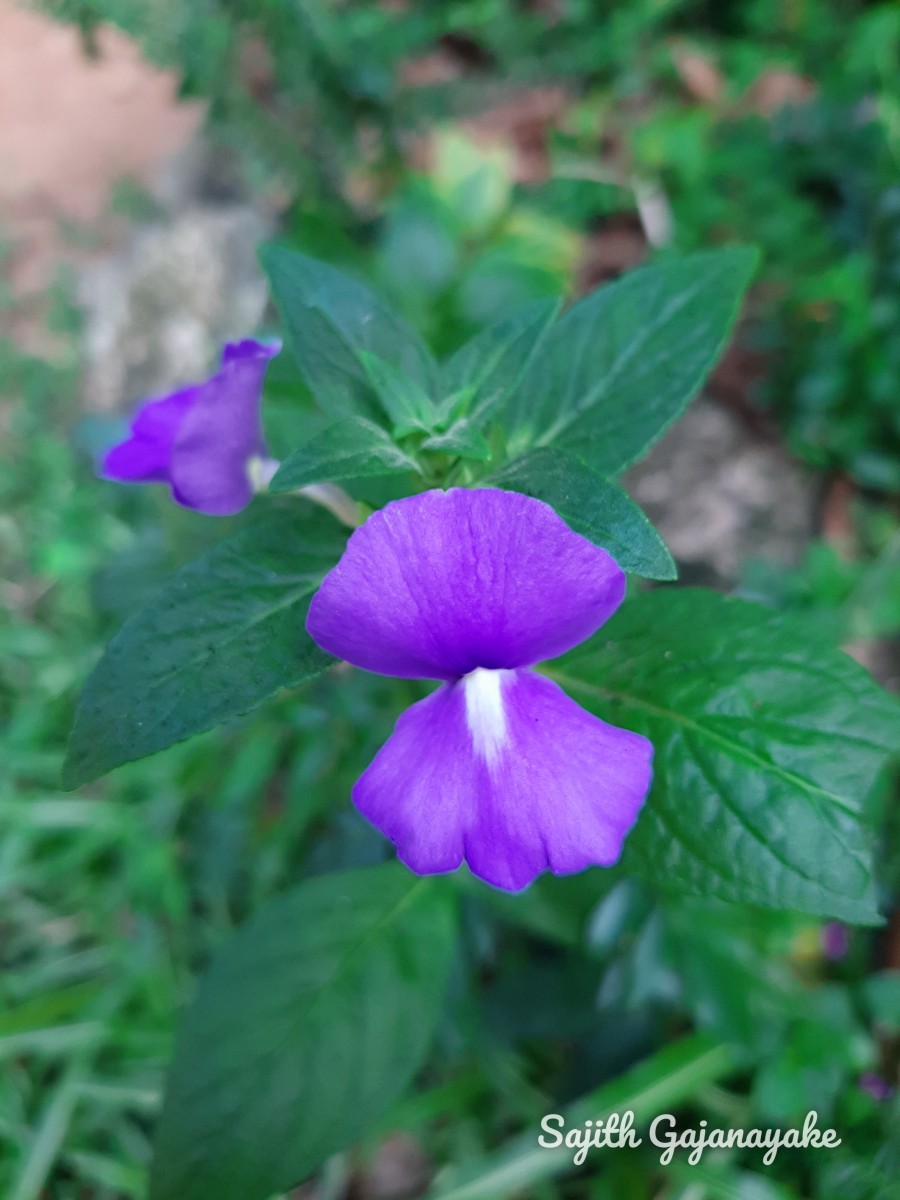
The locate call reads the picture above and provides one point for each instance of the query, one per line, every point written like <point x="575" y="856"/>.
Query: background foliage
<point x="598" y="991"/>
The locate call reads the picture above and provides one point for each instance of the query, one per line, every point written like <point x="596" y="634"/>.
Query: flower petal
<point x="145" y="456"/>
<point x="222" y="432"/>
<point x="250" y="348"/>
<point x="504" y="771"/>
<point x="438" y="584"/>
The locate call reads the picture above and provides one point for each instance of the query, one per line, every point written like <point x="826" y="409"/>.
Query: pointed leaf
<point x="309" y="1024"/>
<point x="406" y="403"/>
<point x="623" y="364"/>
<point x="593" y="507"/>
<point x="767" y="744"/>
<point x="452" y="407"/>
<point x="351" y="449"/>
<point x="330" y="318"/>
<point x="464" y="439"/>
<point x="491" y="365"/>
<point x="224" y="634"/>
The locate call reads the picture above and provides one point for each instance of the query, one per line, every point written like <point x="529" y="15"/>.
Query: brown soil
<point x="71" y="126"/>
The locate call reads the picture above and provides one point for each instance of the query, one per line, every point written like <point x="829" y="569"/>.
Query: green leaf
<point x="735" y="981"/>
<point x="672" y="1076"/>
<point x="351" y="449"/>
<point x="767" y="744"/>
<point x="490" y="366"/>
<point x="622" y="364"/>
<point x="453" y="407"/>
<point x="463" y="439"/>
<point x="224" y="634"/>
<point x="593" y="507"/>
<point x="406" y="403"/>
<point x="308" y="1026"/>
<point x="331" y="320"/>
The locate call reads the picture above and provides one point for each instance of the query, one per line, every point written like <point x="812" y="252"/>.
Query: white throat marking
<point x="485" y="715"/>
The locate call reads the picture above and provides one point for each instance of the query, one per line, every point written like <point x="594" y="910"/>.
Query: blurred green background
<point x="467" y="156"/>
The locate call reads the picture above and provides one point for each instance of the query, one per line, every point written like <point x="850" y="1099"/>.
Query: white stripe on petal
<point x="485" y="715"/>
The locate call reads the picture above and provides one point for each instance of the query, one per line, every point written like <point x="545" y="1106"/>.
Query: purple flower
<point x="200" y="440"/>
<point x="835" y="939"/>
<point x="877" y="1087"/>
<point x="498" y="767"/>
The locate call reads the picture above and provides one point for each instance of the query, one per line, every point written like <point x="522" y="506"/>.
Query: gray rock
<point x="719" y="494"/>
<point x="157" y="313"/>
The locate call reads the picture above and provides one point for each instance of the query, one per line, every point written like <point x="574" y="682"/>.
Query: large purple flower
<point x="200" y="440"/>
<point x="498" y="767"/>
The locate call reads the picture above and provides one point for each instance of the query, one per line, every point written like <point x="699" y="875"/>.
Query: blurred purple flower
<point x="877" y="1087"/>
<point x="835" y="940"/>
<point x="498" y="767"/>
<point x="200" y="439"/>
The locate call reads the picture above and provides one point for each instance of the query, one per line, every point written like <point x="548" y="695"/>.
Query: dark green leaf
<point x="331" y="319"/>
<point x="593" y="507"/>
<point x="351" y="449"/>
<point x="554" y="907"/>
<point x="220" y="637"/>
<point x="767" y="744"/>
<point x="452" y="407"/>
<point x="463" y="438"/>
<point x="406" y="403"/>
<point x="734" y="979"/>
<point x="623" y="364"/>
<point x="490" y="366"/>
<point x="308" y="1026"/>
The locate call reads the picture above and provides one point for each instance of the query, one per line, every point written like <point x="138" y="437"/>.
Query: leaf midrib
<point x="602" y="389"/>
<point x="354" y="351"/>
<point x="386" y="451"/>
<point x="186" y="664"/>
<point x="736" y="749"/>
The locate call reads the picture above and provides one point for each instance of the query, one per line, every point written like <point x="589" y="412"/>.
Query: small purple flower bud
<point x="877" y="1087"/>
<point x="835" y="940"/>
<point x="201" y="439"/>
